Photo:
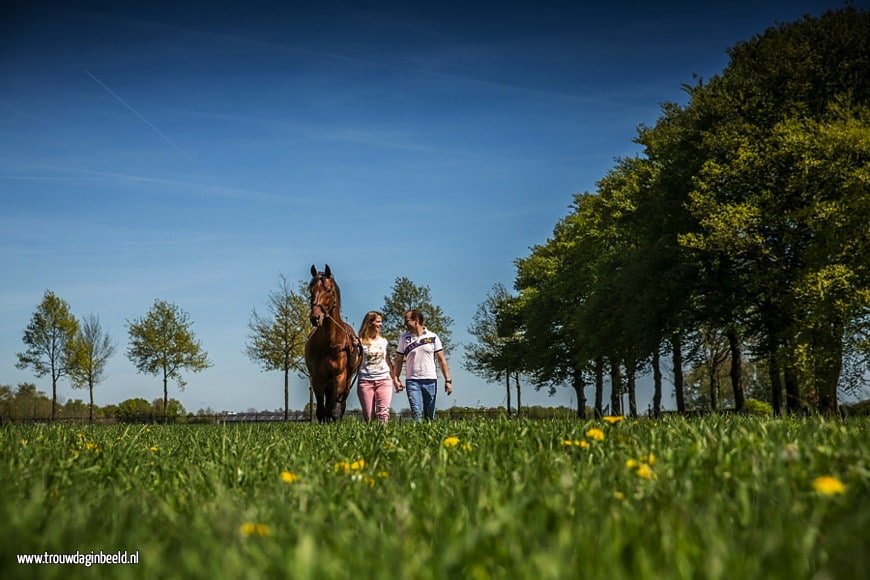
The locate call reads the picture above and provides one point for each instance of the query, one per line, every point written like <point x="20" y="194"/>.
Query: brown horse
<point x="333" y="352"/>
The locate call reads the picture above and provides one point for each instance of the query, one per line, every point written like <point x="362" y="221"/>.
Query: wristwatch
<point x="450" y="381"/>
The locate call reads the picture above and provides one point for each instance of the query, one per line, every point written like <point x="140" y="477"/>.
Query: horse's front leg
<point x="320" y="408"/>
<point x="341" y="390"/>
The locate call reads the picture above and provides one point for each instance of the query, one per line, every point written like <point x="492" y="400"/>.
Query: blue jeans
<point x="421" y="397"/>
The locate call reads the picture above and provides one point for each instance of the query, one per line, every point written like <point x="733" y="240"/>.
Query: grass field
<point x="719" y="497"/>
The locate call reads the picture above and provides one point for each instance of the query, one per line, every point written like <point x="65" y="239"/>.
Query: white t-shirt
<point x="419" y="352"/>
<point x="375" y="364"/>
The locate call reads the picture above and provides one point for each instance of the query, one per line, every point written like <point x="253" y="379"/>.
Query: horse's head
<point x="324" y="296"/>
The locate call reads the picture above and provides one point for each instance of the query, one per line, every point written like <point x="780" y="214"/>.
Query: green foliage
<point x="25" y="403"/>
<point x="277" y="340"/>
<point x="49" y="337"/>
<point x="756" y="407"/>
<point x="136" y="409"/>
<point x="718" y="497"/>
<point x="406" y="296"/>
<point x="491" y="356"/>
<point x="162" y="343"/>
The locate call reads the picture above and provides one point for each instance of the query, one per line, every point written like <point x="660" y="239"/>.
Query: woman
<point x="376" y="378"/>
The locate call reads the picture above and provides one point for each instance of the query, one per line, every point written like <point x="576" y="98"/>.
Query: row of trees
<point x="60" y="345"/>
<point x="741" y="227"/>
<point x="27" y="403"/>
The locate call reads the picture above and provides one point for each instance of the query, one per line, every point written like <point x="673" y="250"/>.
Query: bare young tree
<point x="89" y="353"/>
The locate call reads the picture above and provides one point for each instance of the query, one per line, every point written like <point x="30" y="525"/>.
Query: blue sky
<point x="193" y="151"/>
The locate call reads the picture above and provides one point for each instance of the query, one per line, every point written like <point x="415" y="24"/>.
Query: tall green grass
<point x="719" y="497"/>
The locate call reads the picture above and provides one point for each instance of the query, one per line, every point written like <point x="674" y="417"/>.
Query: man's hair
<point x="416" y="315"/>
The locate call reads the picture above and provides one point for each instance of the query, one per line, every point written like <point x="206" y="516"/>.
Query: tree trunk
<point x="714" y="382"/>
<point x="599" y="387"/>
<point x="310" y="404"/>
<point x="53" y="398"/>
<point x="827" y="360"/>
<point x="792" y="388"/>
<point x="615" y="388"/>
<point x="519" y="394"/>
<point x="736" y="370"/>
<point x="677" y="347"/>
<point x="657" y="383"/>
<point x="165" y="397"/>
<point x="507" y="388"/>
<point x="579" y="387"/>
<point x="632" y="396"/>
<point x="286" y="394"/>
<point x="775" y="382"/>
<point x="91" y="405"/>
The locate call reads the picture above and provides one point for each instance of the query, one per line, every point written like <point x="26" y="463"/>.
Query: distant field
<point x="718" y="497"/>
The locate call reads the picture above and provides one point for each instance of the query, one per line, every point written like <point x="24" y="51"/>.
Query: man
<point x="418" y="349"/>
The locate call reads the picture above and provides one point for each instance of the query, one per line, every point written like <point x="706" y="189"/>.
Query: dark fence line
<point x="278" y="417"/>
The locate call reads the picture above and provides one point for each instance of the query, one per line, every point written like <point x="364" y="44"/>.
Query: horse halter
<point x="327" y="311"/>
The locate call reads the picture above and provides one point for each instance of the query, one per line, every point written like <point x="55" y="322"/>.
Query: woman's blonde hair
<point x="367" y="332"/>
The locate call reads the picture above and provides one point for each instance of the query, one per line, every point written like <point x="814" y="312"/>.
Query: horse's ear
<point x="313" y="271"/>
<point x="327" y="272"/>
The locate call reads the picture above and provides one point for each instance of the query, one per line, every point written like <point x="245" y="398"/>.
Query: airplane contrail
<point x="135" y="112"/>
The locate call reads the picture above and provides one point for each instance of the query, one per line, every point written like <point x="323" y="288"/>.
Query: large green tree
<point x="48" y="337"/>
<point x="162" y="343"/>
<point x="552" y="283"/>
<point x="90" y="351"/>
<point x="277" y="339"/>
<point x="406" y="296"/>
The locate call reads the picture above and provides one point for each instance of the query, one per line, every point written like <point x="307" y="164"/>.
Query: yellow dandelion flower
<point x="91" y="446"/>
<point x="567" y="443"/>
<point x="631" y="463"/>
<point x="583" y="444"/>
<point x="383" y="474"/>
<point x="595" y="434"/>
<point x="618" y="495"/>
<point x="613" y="420"/>
<point x="467" y="447"/>
<point x="651" y="459"/>
<point x="289" y="477"/>
<point x="251" y="529"/>
<point x="24" y="442"/>
<point x="828" y="485"/>
<point x="358" y="465"/>
<point x="451" y="441"/>
<point x="342" y="466"/>
<point x="154" y="449"/>
<point x="644" y="471"/>
<point x="362" y="478"/>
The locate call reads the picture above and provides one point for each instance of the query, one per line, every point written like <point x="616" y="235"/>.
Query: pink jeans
<point x="375" y="397"/>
